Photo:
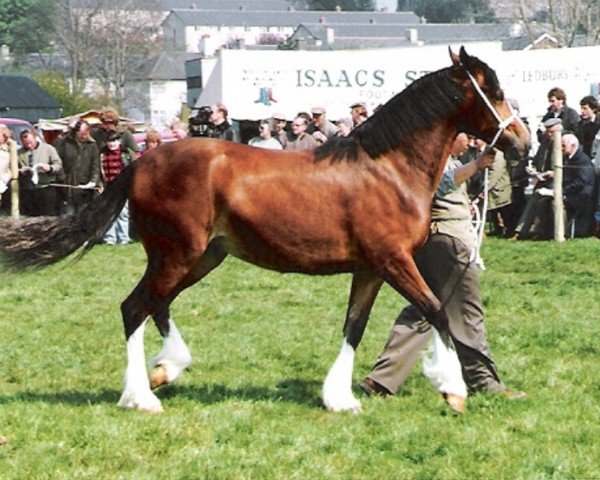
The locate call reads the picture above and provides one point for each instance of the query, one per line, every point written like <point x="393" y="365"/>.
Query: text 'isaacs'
<point x="339" y="78"/>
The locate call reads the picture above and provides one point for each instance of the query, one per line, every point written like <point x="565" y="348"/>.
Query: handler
<point x="445" y="264"/>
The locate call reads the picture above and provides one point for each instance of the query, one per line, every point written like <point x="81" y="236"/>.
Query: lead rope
<point x="480" y="218"/>
<point x="480" y="223"/>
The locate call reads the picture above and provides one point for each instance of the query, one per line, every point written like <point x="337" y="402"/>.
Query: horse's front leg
<point x="136" y="392"/>
<point x="403" y="275"/>
<point x="337" y="388"/>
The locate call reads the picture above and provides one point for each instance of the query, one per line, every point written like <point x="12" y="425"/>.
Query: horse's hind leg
<point x="157" y="289"/>
<point x="337" y="388"/>
<point x="136" y="391"/>
<point x="175" y="356"/>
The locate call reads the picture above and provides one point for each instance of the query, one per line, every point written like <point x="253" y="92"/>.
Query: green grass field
<point x="262" y="342"/>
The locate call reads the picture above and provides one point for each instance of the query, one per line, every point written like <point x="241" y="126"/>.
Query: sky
<point x="390" y="4"/>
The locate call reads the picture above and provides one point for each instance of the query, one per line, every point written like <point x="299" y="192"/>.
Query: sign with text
<point x="255" y="84"/>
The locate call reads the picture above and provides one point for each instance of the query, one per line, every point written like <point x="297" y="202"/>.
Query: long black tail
<point x="38" y="242"/>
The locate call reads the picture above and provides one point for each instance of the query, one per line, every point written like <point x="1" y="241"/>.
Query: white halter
<point x="502" y="124"/>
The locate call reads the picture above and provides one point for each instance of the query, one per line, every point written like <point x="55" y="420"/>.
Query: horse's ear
<point x="454" y="57"/>
<point x="465" y="58"/>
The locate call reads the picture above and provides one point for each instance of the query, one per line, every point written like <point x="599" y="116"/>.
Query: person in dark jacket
<point x="559" y="109"/>
<point x="81" y="166"/>
<point x="115" y="158"/>
<point x="578" y="187"/>
<point x="219" y="123"/>
<point x="589" y="124"/>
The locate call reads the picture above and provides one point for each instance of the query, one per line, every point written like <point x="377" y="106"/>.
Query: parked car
<point x="16" y="126"/>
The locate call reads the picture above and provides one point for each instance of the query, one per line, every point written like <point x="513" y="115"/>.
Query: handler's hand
<point x="486" y="158"/>
<point x="319" y="137"/>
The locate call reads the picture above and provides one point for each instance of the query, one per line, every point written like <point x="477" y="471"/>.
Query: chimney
<point x="412" y="34"/>
<point x="423" y="20"/>
<point x="329" y="35"/>
<point x="338" y="8"/>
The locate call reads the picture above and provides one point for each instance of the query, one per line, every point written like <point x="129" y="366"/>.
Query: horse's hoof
<point x="153" y="410"/>
<point x="456" y="403"/>
<point x="355" y="409"/>
<point x="159" y="377"/>
<point x="145" y="403"/>
<point x="348" y="405"/>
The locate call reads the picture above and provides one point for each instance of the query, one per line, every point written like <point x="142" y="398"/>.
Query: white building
<point x="205" y="31"/>
<point x="158" y="92"/>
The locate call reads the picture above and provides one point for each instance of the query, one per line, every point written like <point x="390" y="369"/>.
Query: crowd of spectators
<point x="61" y="178"/>
<point x="581" y="173"/>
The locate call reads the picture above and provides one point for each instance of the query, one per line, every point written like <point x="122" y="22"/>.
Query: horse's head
<point x="486" y="113"/>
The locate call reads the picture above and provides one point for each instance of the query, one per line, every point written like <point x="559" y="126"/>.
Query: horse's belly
<point x="287" y="251"/>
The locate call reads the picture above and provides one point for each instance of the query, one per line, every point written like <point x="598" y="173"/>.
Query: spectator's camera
<point x="199" y="123"/>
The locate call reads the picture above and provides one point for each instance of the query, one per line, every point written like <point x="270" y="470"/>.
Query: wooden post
<point x="14" y="182"/>
<point x="557" y="162"/>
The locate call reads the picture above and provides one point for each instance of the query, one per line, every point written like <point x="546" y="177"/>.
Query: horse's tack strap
<point x="502" y="124"/>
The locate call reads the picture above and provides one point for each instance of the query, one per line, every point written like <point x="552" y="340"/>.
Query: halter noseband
<point x="502" y="124"/>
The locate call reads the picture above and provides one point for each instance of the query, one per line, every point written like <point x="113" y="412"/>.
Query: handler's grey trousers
<point x="444" y="264"/>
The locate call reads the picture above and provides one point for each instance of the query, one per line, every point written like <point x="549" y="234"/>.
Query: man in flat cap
<point x="323" y="129"/>
<point x="279" y="128"/>
<point x="541" y="169"/>
<point x="358" y="112"/>
<point x="109" y="119"/>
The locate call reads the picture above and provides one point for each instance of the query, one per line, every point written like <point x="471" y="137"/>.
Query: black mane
<point x="417" y="107"/>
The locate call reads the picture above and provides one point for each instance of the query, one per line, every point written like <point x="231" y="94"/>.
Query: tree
<point x="345" y="5"/>
<point x="104" y="38"/>
<point x="20" y="25"/>
<point x="450" y="11"/>
<point x="57" y="85"/>
<point x="570" y="22"/>
<point x="73" y="30"/>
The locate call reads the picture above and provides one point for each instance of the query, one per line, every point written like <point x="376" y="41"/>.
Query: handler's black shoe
<point x="374" y="389"/>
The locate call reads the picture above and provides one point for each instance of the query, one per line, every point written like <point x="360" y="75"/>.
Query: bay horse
<point x="358" y="204"/>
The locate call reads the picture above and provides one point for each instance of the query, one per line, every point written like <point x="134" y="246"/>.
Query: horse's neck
<point x="426" y="154"/>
